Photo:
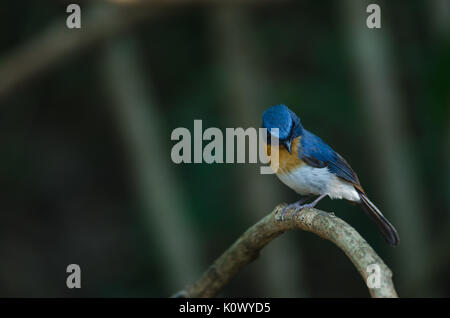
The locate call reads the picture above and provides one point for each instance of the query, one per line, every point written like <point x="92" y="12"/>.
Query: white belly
<point x="316" y="181"/>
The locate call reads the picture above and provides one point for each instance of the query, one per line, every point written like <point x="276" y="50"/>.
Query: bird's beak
<point x="288" y="145"/>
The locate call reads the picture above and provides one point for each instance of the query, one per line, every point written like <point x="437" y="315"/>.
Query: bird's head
<point x="287" y="122"/>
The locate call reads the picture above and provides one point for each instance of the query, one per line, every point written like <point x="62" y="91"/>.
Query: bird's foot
<point x="300" y="206"/>
<point x="297" y="205"/>
<point x="304" y="206"/>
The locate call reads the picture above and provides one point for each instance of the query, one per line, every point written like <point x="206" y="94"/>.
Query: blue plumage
<point x="318" y="154"/>
<point x="278" y="117"/>
<point x="312" y="149"/>
<point x="320" y="171"/>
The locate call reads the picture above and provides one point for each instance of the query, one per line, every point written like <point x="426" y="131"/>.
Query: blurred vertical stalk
<point x="440" y="16"/>
<point x="440" y="20"/>
<point x="158" y="190"/>
<point x="237" y="52"/>
<point x="389" y="144"/>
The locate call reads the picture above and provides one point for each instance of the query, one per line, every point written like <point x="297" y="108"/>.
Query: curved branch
<point x="247" y="248"/>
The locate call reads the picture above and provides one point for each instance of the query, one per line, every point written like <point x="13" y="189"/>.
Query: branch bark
<point x="246" y="249"/>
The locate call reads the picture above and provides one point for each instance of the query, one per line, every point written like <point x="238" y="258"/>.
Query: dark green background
<point x="74" y="180"/>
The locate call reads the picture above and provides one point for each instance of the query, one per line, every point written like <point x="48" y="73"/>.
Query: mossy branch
<point x="247" y="248"/>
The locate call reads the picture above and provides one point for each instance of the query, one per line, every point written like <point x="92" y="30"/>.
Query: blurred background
<point x="86" y="117"/>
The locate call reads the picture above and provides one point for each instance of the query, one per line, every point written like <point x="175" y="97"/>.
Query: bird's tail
<point x="388" y="230"/>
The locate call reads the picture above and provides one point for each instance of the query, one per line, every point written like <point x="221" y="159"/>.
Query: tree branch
<point x="247" y="248"/>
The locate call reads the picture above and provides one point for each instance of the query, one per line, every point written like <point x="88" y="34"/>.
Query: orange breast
<point x="287" y="161"/>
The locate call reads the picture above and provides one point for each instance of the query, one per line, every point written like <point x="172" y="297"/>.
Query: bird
<point x="311" y="167"/>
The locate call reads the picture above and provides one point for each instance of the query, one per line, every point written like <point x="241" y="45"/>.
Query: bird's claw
<point x="283" y="211"/>
<point x="298" y="207"/>
<point x="297" y="210"/>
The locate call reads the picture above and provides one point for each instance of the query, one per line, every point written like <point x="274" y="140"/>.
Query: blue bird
<point x="312" y="168"/>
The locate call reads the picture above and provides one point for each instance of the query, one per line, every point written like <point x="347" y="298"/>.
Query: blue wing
<point x="315" y="152"/>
